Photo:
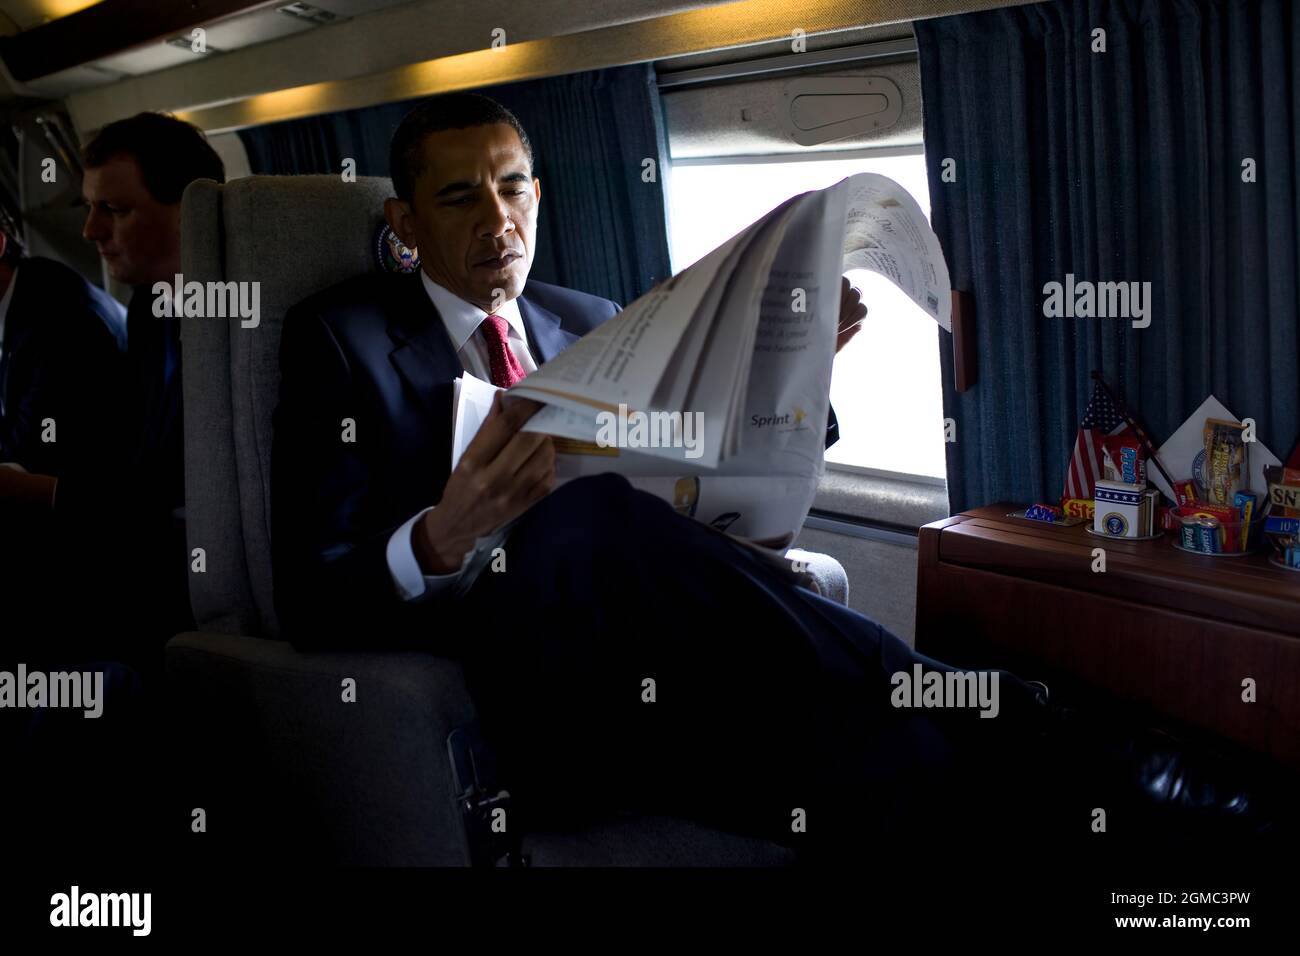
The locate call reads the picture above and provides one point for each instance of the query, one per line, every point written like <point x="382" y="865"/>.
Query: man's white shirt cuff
<point x="411" y="582"/>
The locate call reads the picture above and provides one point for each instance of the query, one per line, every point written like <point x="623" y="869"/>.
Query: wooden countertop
<point x="1243" y="590"/>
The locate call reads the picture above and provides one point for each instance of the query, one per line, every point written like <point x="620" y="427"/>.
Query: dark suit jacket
<point x="120" y="469"/>
<point x="133" y="497"/>
<point x="157" y="447"/>
<point x="146" y="466"/>
<point x="63" y="359"/>
<point x="374" y="350"/>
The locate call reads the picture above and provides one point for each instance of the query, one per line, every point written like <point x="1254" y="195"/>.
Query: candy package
<point x="1042" y="512"/>
<point x="1225" y="457"/>
<point x="1124" y="459"/>
<point x="1078" y="507"/>
<point x="1283" y="490"/>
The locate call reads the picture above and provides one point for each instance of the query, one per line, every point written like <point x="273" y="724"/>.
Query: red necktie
<point x="505" y="368"/>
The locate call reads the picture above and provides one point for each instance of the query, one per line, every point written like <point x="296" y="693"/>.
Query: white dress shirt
<point x="463" y="321"/>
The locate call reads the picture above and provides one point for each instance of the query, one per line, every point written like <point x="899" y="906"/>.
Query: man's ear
<point x="401" y="220"/>
<point x="537" y="190"/>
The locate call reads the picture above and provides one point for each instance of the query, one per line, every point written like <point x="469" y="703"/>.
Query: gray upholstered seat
<point x="270" y="742"/>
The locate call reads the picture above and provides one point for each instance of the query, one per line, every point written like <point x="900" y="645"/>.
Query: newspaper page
<point x="886" y="232"/>
<point x="763" y="490"/>
<point x="713" y="500"/>
<point x="624" y="359"/>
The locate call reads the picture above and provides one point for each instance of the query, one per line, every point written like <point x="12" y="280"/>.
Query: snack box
<point x="1120" y="507"/>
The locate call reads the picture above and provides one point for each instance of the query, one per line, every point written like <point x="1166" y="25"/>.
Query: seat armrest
<point x="337" y="757"/>
<point x="824" y="574"/>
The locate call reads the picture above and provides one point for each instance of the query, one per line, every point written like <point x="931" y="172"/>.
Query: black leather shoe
<point x="1151" y="780"/>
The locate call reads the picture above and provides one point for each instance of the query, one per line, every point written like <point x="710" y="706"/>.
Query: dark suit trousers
<point x="768" y="699"/>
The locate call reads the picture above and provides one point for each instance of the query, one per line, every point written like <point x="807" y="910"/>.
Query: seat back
<point x="293" y="235"/>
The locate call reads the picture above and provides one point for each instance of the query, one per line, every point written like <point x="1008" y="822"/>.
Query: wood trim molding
<point x="964" y="360"/>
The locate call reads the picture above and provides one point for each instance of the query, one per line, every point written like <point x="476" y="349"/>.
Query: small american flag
<point x="1100" y="419"/>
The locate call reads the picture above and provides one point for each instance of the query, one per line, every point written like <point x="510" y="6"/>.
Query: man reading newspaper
<point x="623" y="654"/>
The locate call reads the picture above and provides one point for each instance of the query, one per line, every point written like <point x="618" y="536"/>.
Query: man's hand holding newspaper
<point x="502" y="472"/>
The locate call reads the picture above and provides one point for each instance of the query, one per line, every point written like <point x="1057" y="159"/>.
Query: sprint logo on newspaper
<point x="790" y="421"/>
<point x="651" y="430"/>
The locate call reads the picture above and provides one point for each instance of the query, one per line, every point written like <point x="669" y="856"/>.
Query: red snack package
<point x="1125" y="459"/>
<point x="1224" y="514"/>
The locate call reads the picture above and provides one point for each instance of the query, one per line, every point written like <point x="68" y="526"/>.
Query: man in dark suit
<point x="763" y="685"/>
<point x="132" y="492"/>
<point x="61" y="354"/>
<point x="62" y="344"/>
<point x="382" y="352"/>
<point x="110" y="578"/>
<point x="136" y="172"/>
<point x="61" y="362"/>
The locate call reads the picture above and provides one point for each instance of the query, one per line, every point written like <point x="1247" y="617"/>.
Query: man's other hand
<point x="852" y="312"/>
<point x="502" y="473"/>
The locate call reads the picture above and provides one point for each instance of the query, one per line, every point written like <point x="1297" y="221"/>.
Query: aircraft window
<point x="886" y="386"/>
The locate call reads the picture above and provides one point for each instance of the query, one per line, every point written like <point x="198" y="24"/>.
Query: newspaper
<point x="712" y="389"/>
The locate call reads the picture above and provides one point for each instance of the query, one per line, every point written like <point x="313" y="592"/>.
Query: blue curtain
<point x="601" y="228"/>
<point x="1132" y="164"/>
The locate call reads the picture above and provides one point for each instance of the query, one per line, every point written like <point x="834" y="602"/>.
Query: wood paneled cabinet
<point x="1179" y="633"/>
